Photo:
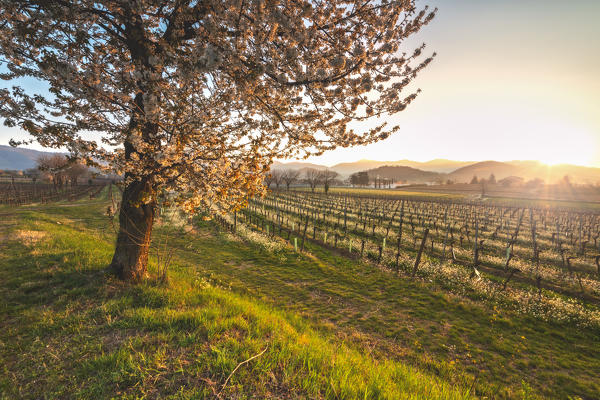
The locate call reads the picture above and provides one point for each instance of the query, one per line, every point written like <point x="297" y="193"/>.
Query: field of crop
<point x="468" y="193"/>
<point x="269" y="312"/>
<point x="535" y="194"/>
<point x="544" y="262"/>
<point x="19" y="193"/>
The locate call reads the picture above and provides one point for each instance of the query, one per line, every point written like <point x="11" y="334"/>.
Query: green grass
<point x="69" y="330"/>
<point x="414" y="321"/>
<point x="332" y="327"/>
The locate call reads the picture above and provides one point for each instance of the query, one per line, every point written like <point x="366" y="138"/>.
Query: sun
<point x="559" y="142"/>
<point x="551" y="162"/>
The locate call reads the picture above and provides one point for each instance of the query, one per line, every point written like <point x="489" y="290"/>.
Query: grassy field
<point x="69" y="330"/>
<point x="319" y="325"/>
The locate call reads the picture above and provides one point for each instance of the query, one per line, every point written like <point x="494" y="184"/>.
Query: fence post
<point x="418" y="259"/>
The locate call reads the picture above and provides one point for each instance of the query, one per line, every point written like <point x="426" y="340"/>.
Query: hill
<point x="460" y="171"/>
<point x="483" y="170"/>
<point x="437" y="165"/>
<point x="347" y="169"/>
<point x="555" y="173"/>
<point x="296" y="165"/>
<point x="527" y="170"/>
<point x="407" y="174"/>
<point x="18" y="158"/>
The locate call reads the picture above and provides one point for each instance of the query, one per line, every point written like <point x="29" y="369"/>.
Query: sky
<point x="512" y="80"/>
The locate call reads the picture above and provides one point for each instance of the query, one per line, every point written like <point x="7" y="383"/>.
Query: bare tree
<point x="290" y="176"/>
<point x="76" y="171"/>
<point x="312" y="177"/>
<point x="54" y="165"/>
<point x="277" y="176"/>
<point x="327" y="177"/>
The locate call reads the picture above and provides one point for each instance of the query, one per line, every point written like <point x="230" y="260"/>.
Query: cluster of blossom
<point x="200" y="97"/>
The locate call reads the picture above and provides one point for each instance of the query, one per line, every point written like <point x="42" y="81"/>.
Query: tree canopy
<point x="198" y="97"/>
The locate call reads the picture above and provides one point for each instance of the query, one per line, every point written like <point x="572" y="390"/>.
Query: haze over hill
<point x="437" y="165"/>
<point x="484" y="169"/>
<point x="18" y="158"/>
<point x="412" y="171"/>
<point x="404" y="173"/>
<point x="348" y="168"/>
<point x="527" y="170"/>
<point x="460" y="171"/>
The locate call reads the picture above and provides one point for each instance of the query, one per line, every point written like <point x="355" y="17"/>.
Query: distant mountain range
<point x="19" y="158"/>
<point x="457" y="171"/>
<point x="346" y="169"/>
<point x="527" y="170"/>
<point x="404" y="173"/>
<point x="401" y="170"/>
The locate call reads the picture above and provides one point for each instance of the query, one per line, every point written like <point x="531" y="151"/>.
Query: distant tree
<point x="363" y="178"/>
<point x="511" y="181"/>
<point x="12" y="172"/>
<point x="474" y="181"/>
<point x="449" y="182"/>
<point x="312" y="177"/>
<point x="55" y="166"/>
<point x="277" y="176"/>
<point x="327" y="177"/>
<point x="33" y="173"/>
<point x="534" y="183"/>
<point x="290" y="176"/>
<point x="492" y="179"/>
<point x="354" y="179"/>
<point x="75" y="171"/>
<point x="375" y="180"/>
<point x="360" y="178"/>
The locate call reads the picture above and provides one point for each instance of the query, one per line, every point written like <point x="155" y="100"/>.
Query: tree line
<point x="311" y="176"/>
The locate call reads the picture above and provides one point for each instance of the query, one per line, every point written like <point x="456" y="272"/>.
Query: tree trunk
<point x="130" y="260"/>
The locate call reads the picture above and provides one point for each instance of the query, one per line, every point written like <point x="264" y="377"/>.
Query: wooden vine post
<point x="418" y="259"/>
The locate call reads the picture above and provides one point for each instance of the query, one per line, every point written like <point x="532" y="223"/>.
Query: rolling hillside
<point x="484" y="170"/>
<point x="296" y="165"/>
<point x="18" y="158"/>
<point x="408" y="174"/>
<point x="527" y="170"/>
<point x="437" y="165"/>
<point x="460" y="171"/>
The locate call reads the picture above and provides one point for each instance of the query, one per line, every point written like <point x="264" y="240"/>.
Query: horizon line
<point x="330" y="165"/>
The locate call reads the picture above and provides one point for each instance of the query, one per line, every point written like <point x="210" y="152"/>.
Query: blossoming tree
<point x="197" y="97"/>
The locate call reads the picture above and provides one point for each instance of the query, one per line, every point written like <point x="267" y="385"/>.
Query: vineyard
<point x="540" y="261"/>
<point x="20" y="193"/>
